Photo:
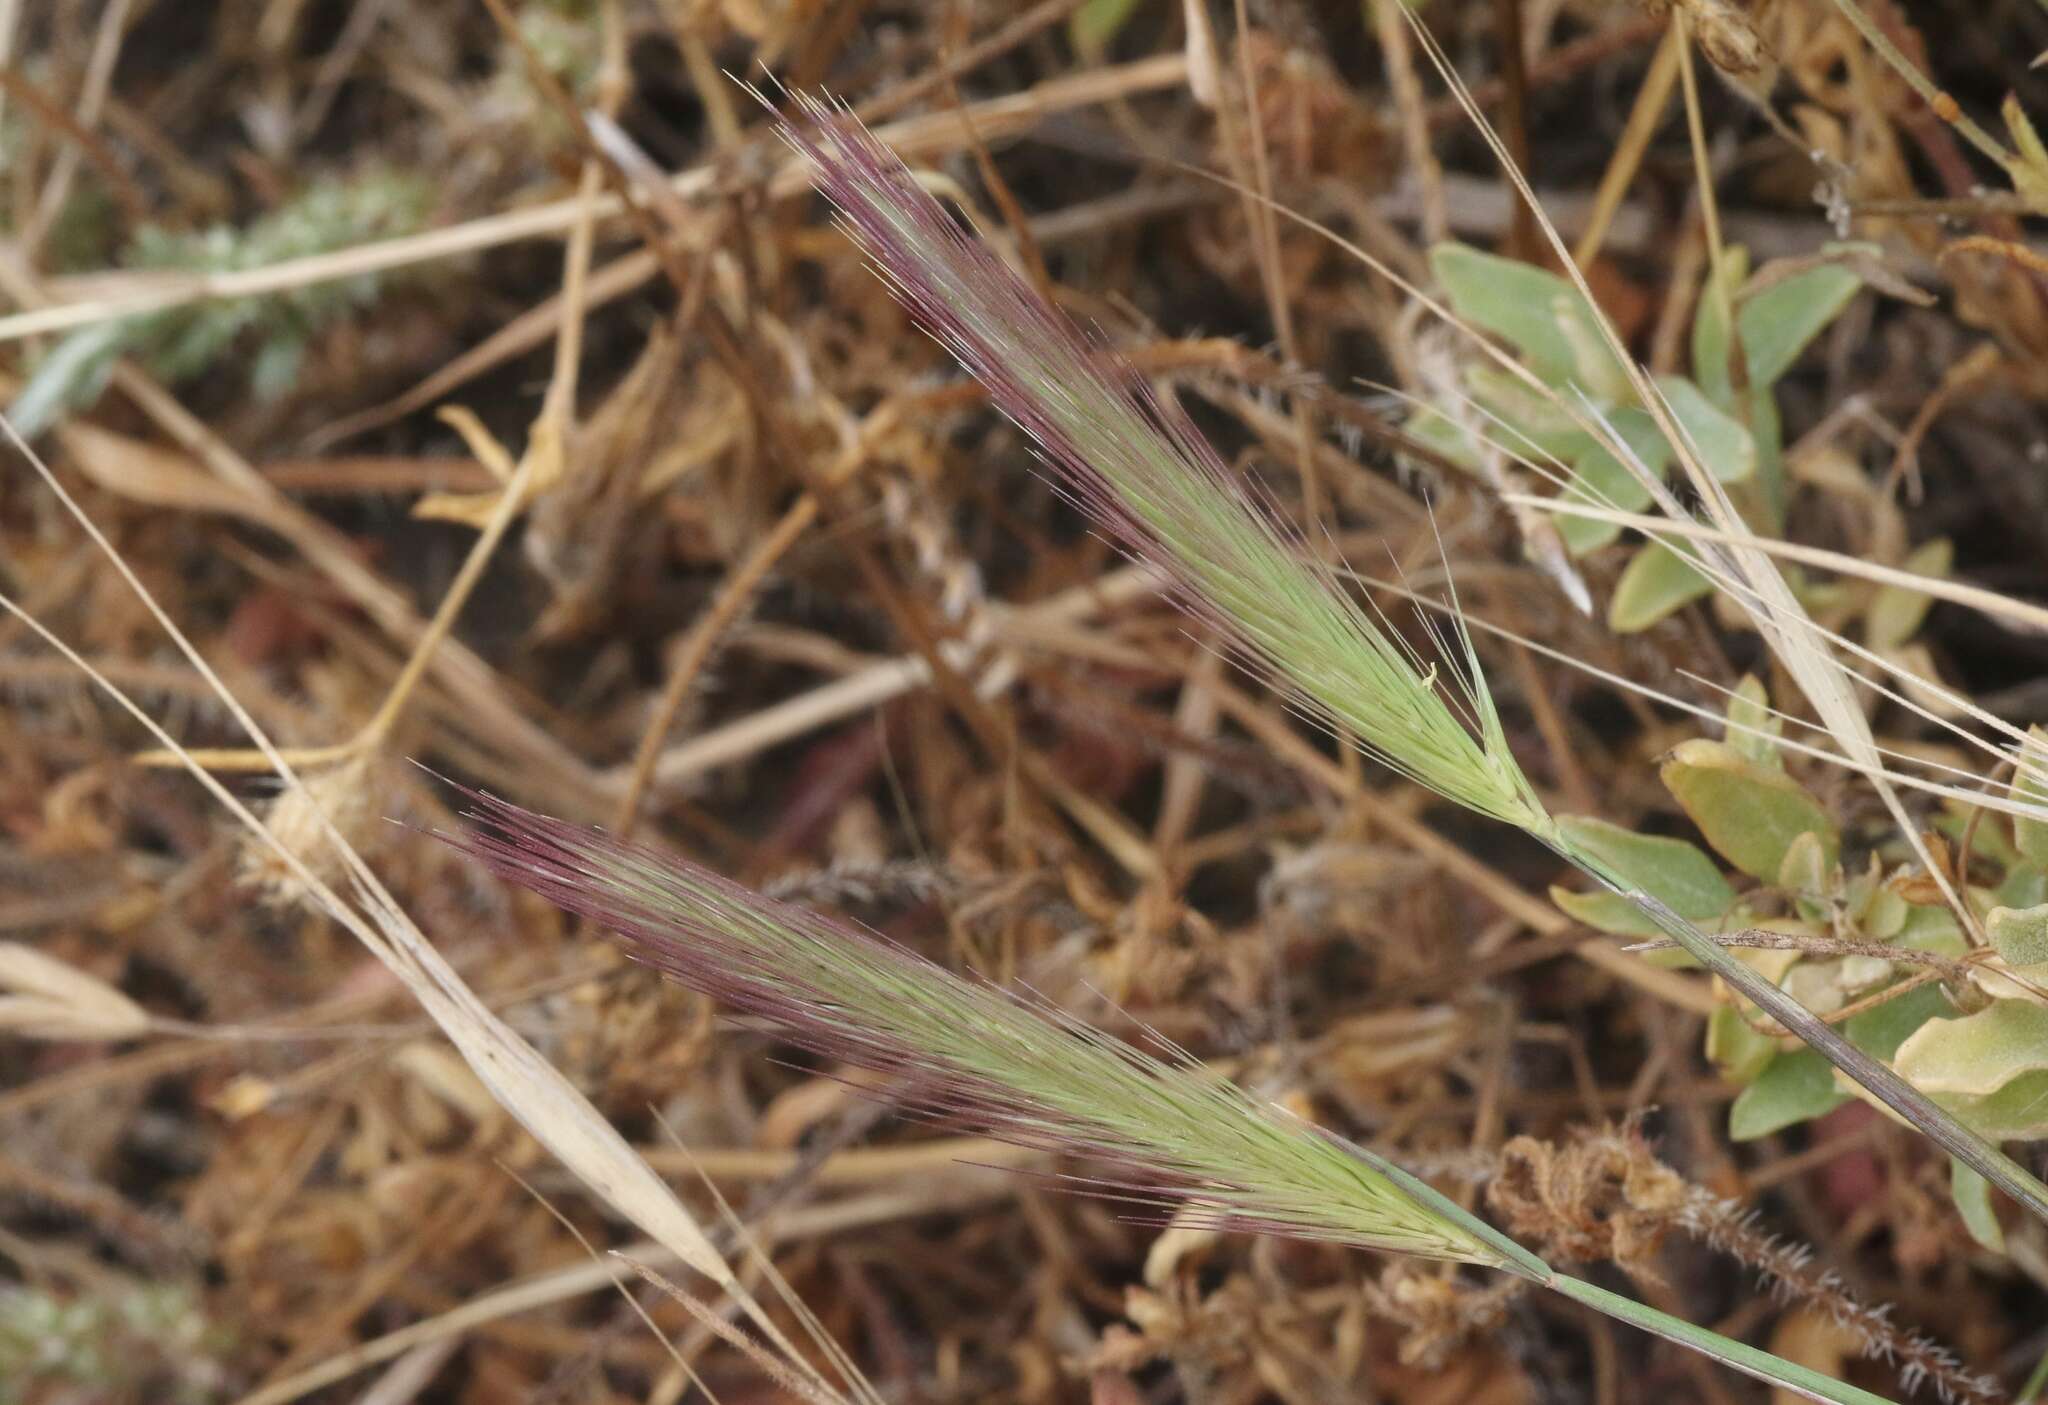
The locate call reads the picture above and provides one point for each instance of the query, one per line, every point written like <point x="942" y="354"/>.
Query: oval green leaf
<point x="1895" y="612"/>
<point x="1676" y="872"/>
<point x="1710" y="328"/>
<point x="1778" y="321"/>
<point x="1978" y="1055"/>
<point x="2019" y="934"/>
<point x="1720" y="440"/>
<point x="1738" y="1050"/>
<point x="1656" y="584"/>
<point x="1538" y="313"/>
<point x="1753" y="729"/>
<point x="1096" y="24"/>
<point x="1972" y="1196"/>
<point x="1749" y="814"/>
<point x="1794" y="1087"/>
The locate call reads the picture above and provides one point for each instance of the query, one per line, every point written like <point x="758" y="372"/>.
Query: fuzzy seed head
<point x="969" y="1052"/>
<point x="1130" y="457"/>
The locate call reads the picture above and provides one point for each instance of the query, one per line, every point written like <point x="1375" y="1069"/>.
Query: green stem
<point x="1746" y="1359"/>
<point x="1935" y="1121"/>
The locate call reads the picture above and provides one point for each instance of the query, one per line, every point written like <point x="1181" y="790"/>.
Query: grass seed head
<point x="970" y="1052"/>
<point x="1131" y="458"/>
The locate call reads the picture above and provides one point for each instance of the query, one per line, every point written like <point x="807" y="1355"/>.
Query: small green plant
<point x="1867" y="944"/>
<point x="185" y="342"/>
<point x="565" y="38"/>
<point x="1727" y="408"/>
<point x="149" y="1342"/>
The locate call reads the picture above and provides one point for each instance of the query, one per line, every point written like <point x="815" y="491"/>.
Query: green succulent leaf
<point x="1750" y="815"/>
<point x="1603" y="480"/>
<point x="2016" y="1112"/>
<point x="1656" y="584"/>
<point x="1605" y="912"/>
<point x="1776" y="324"/>
<point x="1736" y="1048"/>
<point x="1768" y="430"/>
<point x="1799" y="1085"/>
<point x="2020" y="935"/>
<point x="1794" y="1087"/>
<point x="1880" y="1030"/>
<point x="1599" y="479"/>
<point x="1881" y="914"/>
<point x="1990" y="1069"/>
<point x="1807" y="871"/>
<point x="1674" y="871"/>
<point x="1519" y="420"/>
<point x="1972" y="1196"/>
<point x="1433" y="429"/>
<point x="1710" y="329"/>
<point x="2025" y="885"/>
<point x="1752" y="727"/>
<point x="1541" y="315"/>
<point x="1096" y="24"/>
<point x="1929" y="927"/>
<point x="1720" y="440"/>
<point x="1896" y="612"/>
<point x="1778" y="321"/>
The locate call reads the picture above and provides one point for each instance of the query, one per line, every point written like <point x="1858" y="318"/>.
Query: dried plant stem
<point x="134" y="205"/>
<point x="1651" y="99"/>
<point x="1710" y="206"/>
<point x="558" y="1116"/>
<point x="1390" y="25"/>
<point x="995" y="117"/>
<point x="99" y="73"/>
<point x="553" y="1286"/>
<point x="1975" y="597"/>
<point x="543" y="462"/>
<point x="696" y="651"/>
<point x="377" y="730"/>
<point x="1757" y="939"/>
